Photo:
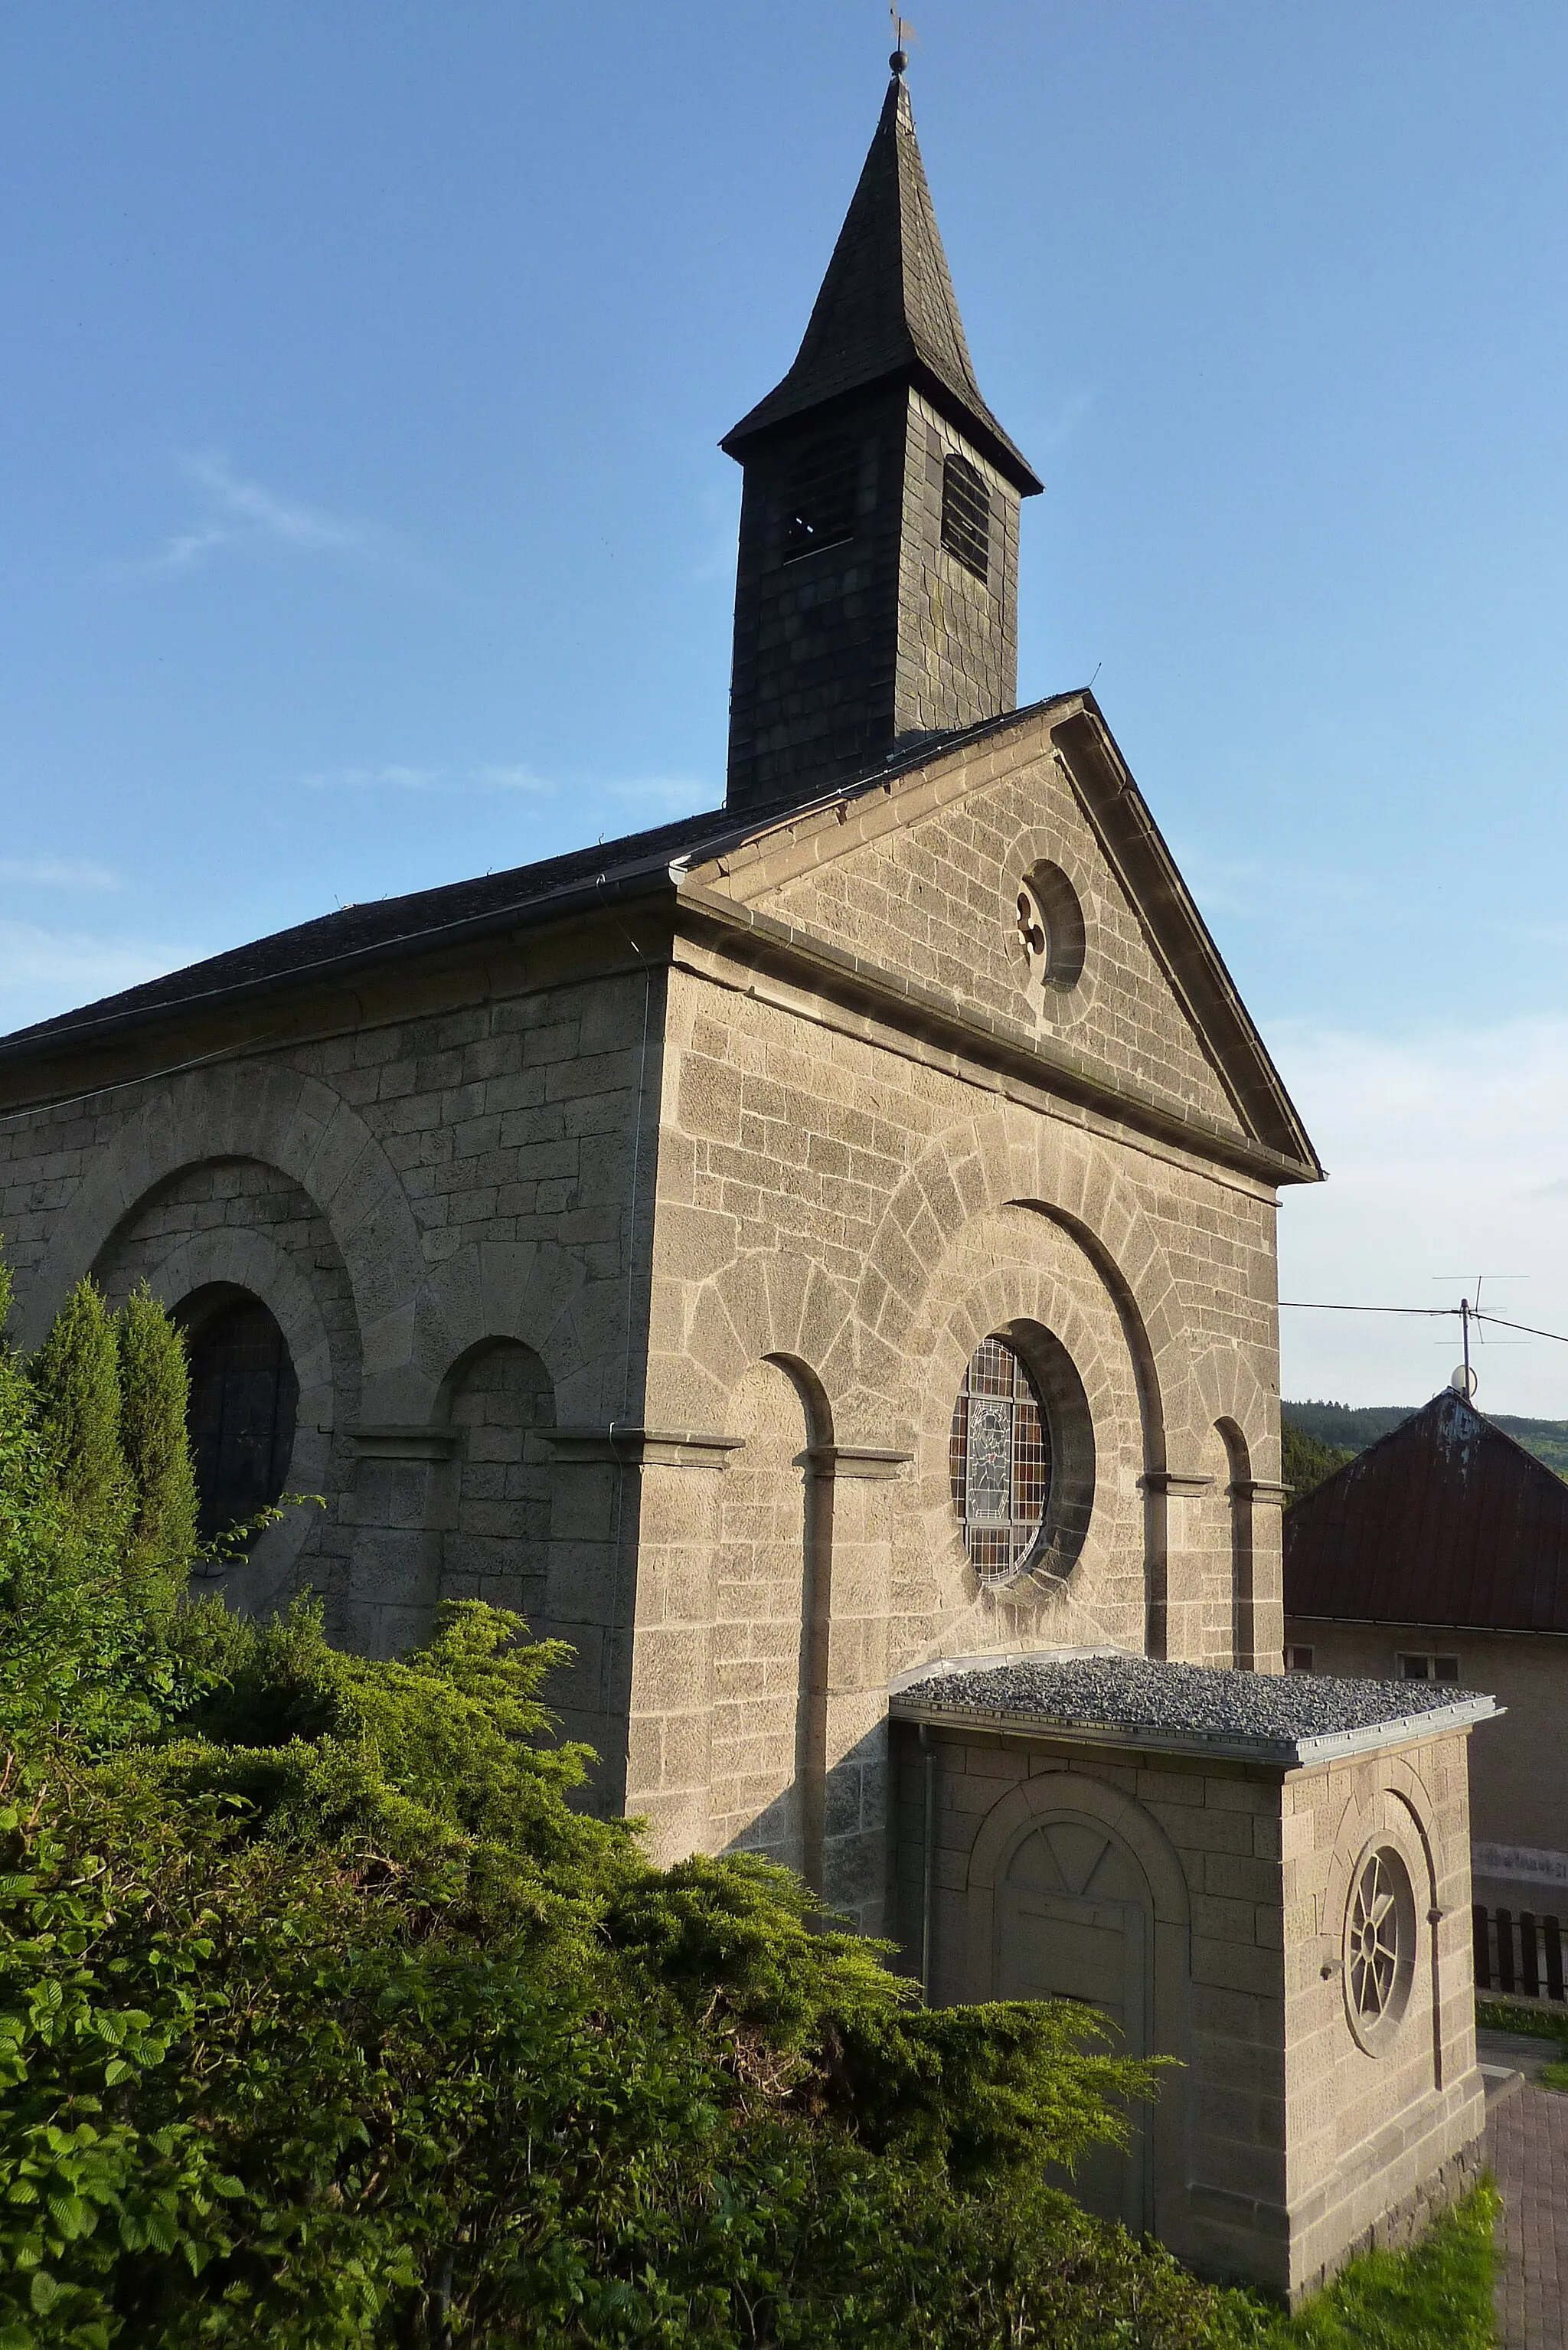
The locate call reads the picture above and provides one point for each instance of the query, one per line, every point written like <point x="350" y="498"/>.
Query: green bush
<point x="327" y="2018"/>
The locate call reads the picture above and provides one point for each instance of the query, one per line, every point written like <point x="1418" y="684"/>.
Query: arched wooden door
<point x="1074" y="1920"/>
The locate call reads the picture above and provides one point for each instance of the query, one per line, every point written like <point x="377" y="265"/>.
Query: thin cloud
<point x="1446" y="1149"/>
<point x="57" y="873"/>
<point x="394" y="776"/>
<point x="1054" y="432"/>
<point x="668" y="796"/>
<point x="1253" y="891"/>
<point x="242" y="515"/>
<point x="48" y="971"/>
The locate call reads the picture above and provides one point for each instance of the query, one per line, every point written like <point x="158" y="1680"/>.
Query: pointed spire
<point x="886" y="306"/>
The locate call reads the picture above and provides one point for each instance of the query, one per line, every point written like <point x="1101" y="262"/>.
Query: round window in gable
<point x="1379" y="1946"/>
<point x="1050" y="931"/>
<point x="999" y="1461"/>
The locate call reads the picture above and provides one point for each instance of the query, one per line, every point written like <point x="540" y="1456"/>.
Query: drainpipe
<point x="929" y="1859"/>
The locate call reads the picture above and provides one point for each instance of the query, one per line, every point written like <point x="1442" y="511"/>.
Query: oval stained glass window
<point x="999" y="1460"/>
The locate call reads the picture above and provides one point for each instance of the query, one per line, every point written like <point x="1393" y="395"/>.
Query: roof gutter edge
<point x="17" y="1051"/>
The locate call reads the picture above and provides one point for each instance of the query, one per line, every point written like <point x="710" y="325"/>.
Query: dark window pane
<point x="243" y="1399"/>
<point x="820" y="506"/>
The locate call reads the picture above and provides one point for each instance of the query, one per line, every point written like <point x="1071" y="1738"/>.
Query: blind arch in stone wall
<point x="537" y="1294"/>
<point x="1006" y="1156"/>
<point x="1014" y="1274"/>
<point x="764" y="1592"/>
<point x="280" y="1117"/>
<point x="494" y="1497"/>
<point x="247" y="1259"/>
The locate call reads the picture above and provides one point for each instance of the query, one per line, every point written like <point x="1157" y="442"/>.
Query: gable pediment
<point x="918" y="879"/>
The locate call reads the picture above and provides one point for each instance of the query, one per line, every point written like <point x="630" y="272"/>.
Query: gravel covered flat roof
<point x="1112" y="1698"/>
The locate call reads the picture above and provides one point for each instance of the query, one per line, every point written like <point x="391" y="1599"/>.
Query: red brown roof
<point x="1445" y="1521"/>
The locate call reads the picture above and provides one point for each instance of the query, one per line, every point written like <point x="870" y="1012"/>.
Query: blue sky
<point x="362" y="523"/>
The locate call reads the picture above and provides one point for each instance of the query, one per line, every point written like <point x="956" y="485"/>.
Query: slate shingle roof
<point x="429" y="919"/>
<point x="886" y="306"/>
<point x="1445" y="1521"/>
<point x="385" y="925"/>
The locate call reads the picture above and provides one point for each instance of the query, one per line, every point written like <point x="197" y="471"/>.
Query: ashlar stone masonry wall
<point x="1285" y="2143"/>
<point x="861" y="1218"/>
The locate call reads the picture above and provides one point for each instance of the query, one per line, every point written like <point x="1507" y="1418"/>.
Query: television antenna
<point x="1463" y="1379"/>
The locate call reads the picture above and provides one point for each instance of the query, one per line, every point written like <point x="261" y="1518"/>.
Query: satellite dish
<point x="1463" y="1380"/>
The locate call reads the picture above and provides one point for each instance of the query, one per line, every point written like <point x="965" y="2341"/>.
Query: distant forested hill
<point x="1352" y="1427"/>
<point x="1305" y="1460"/>
<point x="1346" y="1425"/>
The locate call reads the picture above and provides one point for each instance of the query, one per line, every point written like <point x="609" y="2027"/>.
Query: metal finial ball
<point x="899" y="61"/>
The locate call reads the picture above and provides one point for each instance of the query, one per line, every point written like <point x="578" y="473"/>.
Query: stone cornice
<point x="631" y="1447"/>
<point x="764" y="942"/>
<point x="389" y="1442"/>
<point x="875" y="1462"/>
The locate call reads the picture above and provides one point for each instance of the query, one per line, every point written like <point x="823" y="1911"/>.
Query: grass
<point x="1499" y="2015"/>
<point x="1436" y="2296"/>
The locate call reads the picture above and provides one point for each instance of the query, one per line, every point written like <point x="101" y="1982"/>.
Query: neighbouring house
<point x="819" y="1258"/>
<point x="1440" y="1555"/>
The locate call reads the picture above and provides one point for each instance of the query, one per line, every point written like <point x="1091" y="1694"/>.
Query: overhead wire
<point x="1425" y="1312"/>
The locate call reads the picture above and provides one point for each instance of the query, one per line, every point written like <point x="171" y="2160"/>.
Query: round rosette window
<point x="999" y="1462"/>
<point x="1051" y="933"/>
<point x="1379" y="1946"/>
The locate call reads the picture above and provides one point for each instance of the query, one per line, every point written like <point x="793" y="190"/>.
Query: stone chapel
<point x="818" y="1259"/>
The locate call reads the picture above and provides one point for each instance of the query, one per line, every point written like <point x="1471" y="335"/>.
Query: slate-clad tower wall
<point x="876" y="597"/>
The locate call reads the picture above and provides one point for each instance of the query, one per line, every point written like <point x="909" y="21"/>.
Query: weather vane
<point x="903" y="32"/>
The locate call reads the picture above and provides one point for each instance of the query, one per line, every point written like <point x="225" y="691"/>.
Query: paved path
<point x="1527" y="2147"/>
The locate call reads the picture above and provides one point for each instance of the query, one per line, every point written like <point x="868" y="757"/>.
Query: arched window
<point x="966" y="517"/>
<point x="999" y="1460"/>
<point x="243" y="1399"/>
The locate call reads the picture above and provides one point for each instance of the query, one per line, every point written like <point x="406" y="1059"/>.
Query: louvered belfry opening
<point x="877" y="592"/>
<point x="966" y="517"/>
<point x="820" y="504"/>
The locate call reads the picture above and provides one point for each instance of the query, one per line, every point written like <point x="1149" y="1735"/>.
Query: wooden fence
<point x="1523" y="1954"/>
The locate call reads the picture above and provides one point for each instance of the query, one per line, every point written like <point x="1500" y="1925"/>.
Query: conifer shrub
<point x="87" y="1612"/>
<point x="76" y="1376"/>
<point x="154" y="1400"/>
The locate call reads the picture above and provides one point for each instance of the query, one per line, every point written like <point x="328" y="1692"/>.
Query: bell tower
<point x="876" y="597"/>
